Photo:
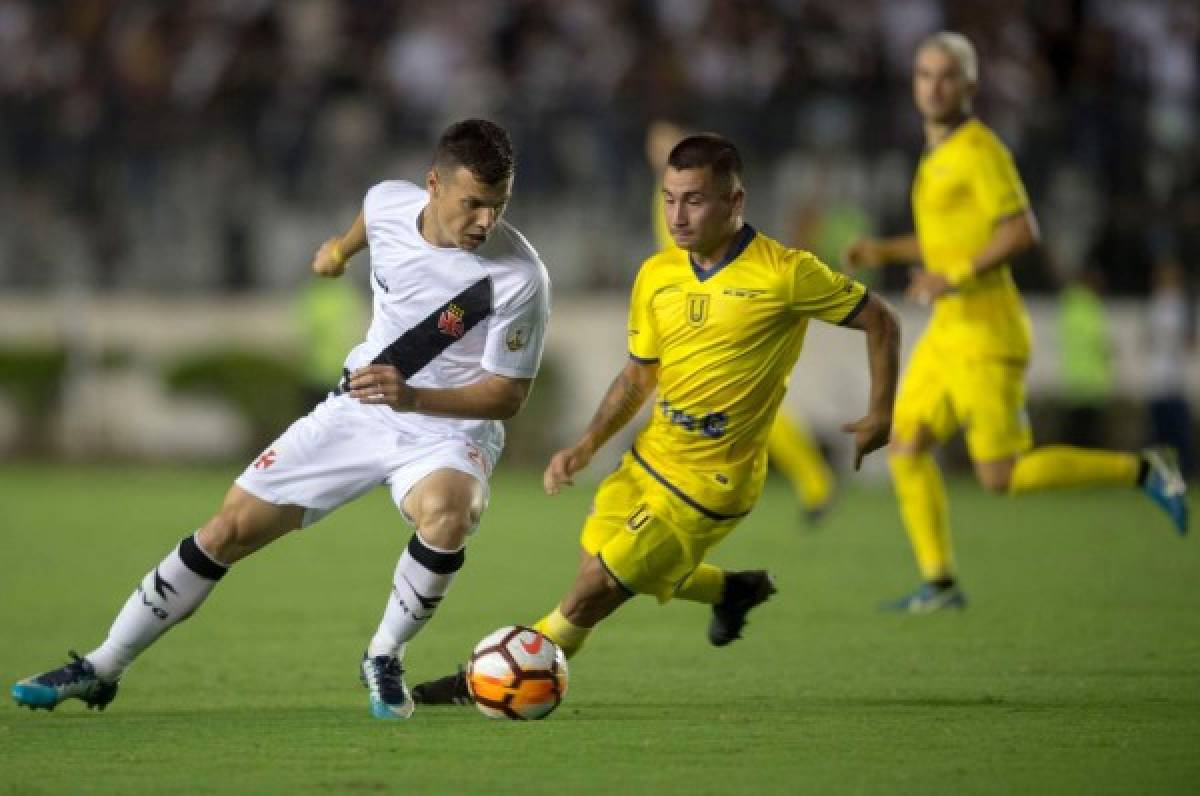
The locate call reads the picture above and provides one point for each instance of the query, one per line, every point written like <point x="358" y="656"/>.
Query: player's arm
<point x="625" y="396"/>
<point x="332" y="255"/>
<point x="493" y="397"/>
<point x="880" y="252"/>
<point x="1012" y="235"/>
<point x="879" y="321"/>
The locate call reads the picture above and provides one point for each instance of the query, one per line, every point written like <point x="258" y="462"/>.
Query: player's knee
<point x="911" y="443"/>
<point x="901" y="447"/>
<point x="445" y="523"/>
<point x="224" y="537"/>
<point x="233" y="533"/>
<point x="996" y="483"/>
<point x="995" y="477"/>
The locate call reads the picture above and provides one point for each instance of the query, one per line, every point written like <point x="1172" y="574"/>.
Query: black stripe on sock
<point x="198" y="561"/>
<point x="434" y="561"/>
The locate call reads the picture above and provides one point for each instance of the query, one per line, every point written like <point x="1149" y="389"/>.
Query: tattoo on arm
<point x="624" y="398"/>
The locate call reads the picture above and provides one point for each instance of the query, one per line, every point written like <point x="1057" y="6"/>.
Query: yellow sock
<point x="559" y="629"/>
<point x="1062" y="465"/>
<point x="792" y="450"/>
<point x="922" y="499"/>
<point x="706" y="584"/>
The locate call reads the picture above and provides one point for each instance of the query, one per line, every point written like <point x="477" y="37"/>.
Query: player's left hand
<point x="925" y="287"/>
<point x="382" y="385"/>
<point x="870" y="434"/>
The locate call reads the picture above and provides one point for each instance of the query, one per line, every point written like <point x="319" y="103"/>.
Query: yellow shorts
<point x="647" y="536"/>
<point x="984" y="396"/>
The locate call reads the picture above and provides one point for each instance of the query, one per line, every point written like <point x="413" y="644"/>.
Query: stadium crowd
<point x="152" y="145"/>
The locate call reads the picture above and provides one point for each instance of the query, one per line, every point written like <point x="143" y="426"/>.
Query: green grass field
<point x="1075" y="670"/>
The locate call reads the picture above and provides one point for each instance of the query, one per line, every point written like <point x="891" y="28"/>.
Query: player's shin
<point x="921" y="496"/>
<point x="1056" y="466"/>
<point x="556" y="627"/>
<point x="423" y="576"/>
<point x="166" y="596"/>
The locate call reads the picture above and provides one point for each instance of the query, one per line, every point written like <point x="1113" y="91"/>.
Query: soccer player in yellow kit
<point x="791" y="448"/>
<point x="715" y="327"/>
<point x="972" y="216"/>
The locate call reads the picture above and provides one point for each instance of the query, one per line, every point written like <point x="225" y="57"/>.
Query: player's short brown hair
<point x="483" y="147"/>
<point x="709" y="149"/>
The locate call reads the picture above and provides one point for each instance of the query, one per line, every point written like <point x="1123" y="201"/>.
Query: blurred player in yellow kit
<point x="791" y="448"/>
<point x="715" y="327"/>
<point x="972" y="216"/>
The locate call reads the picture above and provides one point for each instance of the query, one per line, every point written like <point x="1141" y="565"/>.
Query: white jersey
<point x="447" y="317"/>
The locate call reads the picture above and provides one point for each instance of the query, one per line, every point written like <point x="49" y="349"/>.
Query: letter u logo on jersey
<point x="697" y="309"/>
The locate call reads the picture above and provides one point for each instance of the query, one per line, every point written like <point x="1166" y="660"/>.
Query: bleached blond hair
<point x="958" y="47"/>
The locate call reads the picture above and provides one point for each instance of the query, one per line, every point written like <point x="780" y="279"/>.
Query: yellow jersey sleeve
<point x="820" y="292"/>
<point x="643" y="336"/>
<point x="996" y="183"/>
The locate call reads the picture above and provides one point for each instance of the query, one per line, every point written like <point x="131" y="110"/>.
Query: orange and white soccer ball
<point x="517" y="673"/>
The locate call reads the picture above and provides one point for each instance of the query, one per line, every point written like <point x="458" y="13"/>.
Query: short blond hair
<point x="958" y="47"/>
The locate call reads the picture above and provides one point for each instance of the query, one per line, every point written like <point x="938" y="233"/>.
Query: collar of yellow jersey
<point x="741" y="240"/>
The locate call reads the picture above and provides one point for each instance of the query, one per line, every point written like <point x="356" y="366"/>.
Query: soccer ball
<point x="517" y="673"/>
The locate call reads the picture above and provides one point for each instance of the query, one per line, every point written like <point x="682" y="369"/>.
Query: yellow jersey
<point x="725" y="341"/>
<point x="963" y="188"/>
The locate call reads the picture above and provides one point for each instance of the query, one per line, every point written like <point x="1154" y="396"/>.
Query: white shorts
<point x="343" y="449"/>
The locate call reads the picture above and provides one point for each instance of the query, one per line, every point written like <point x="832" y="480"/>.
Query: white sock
<point x="166" y="596"/>
<point x="423" y="576"/>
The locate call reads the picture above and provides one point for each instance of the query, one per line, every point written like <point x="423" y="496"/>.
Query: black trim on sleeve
<point x="857" y="309"/>
<point x="434" y="560"/>
<point x="198" y="561"/>
<point x="643" y="360"/>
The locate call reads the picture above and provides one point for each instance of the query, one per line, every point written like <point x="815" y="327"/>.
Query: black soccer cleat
<point x="743" y="591"/>
<point x="75" y="680"/>
<point x="449" y="690"/>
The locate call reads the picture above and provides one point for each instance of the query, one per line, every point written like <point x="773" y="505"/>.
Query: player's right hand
<point x="325" y="261"/>
<point x="562" y="468"/>
<point x="870" y="434"/>
<point x="863" y="253"/>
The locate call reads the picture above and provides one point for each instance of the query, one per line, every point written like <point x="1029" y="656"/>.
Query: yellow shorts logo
<point x="697" y="309"/>
<point x="640" y="516"/>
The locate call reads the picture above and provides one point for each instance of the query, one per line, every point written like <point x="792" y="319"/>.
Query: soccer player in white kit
<point x="460" y="308"/>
